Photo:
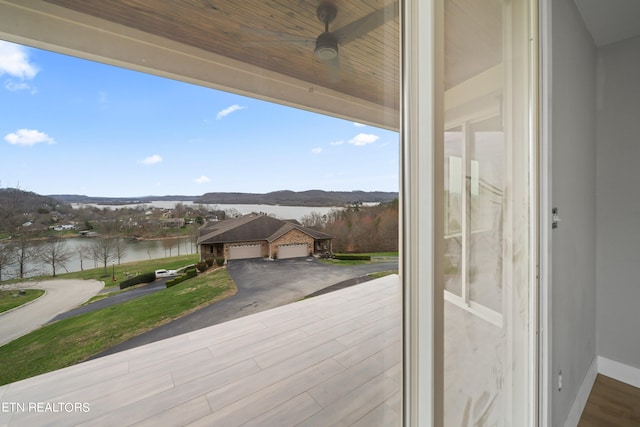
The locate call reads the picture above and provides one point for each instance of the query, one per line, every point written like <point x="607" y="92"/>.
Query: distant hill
<point x="284" y="197"/>
<point x="300" y="198"/>
<point x="19" y="207"/>
<point x="26" y="201"/>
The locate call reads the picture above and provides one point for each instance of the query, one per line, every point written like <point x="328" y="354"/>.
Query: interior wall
<point x="618" y="212"/>
<point x="573" y="153"/>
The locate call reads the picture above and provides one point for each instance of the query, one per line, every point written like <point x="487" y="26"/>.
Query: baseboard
<point x="619" y="371"/>
<point x="583" y="395"/>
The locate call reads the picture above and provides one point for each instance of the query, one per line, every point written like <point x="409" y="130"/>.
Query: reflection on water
<point x="82" y="259"/>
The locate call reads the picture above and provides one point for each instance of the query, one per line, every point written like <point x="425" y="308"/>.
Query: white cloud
<point x="14" y="61"/>
<point x="13" y="86"/>
<point x="317" y="150"/>
<point x="362" y="139"/>
<point x="28" y="137"/>
<point x="151" y="160"/>
<point x="358" y="125"/>
<point x="202" y="180"/>
<point x="229" y="110"/>
<point x="339" y="142"/>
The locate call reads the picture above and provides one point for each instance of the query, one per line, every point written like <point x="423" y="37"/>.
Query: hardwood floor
<point x="611" y="403"/>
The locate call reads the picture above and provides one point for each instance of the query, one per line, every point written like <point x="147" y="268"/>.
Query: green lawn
<point x="358" y="262"/>
<point x="12" y="299"/>
<point x="75" y="339"/>
<point x="380" y="254"/>
<point x="382" y="274"/>
<point x="145" y="266"/>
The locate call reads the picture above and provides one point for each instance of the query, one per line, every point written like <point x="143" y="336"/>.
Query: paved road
<point x="262" y="284"/>
<point x="141" y="291"/>
<point x="60" y="296"/>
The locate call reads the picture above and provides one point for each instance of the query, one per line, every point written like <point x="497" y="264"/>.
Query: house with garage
<point x="260" y="236"/>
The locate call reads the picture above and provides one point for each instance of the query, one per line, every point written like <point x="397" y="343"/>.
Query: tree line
<point x="359" y="228"/>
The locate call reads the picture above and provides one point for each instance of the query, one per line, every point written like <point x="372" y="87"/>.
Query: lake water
<point x="81" y="255"/>
<point x="282" y="212"/>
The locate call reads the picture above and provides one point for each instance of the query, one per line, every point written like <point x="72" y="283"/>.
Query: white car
<point x="165" y="273"/>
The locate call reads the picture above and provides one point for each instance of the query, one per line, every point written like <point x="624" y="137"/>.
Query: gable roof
<point x="251" y="227"/>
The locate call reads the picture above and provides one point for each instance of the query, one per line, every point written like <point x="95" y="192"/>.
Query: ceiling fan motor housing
<point x="326" y="43"/>
<point x="326" y="46"/>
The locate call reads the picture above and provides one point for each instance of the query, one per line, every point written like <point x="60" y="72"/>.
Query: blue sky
<point x="71" y="126"/>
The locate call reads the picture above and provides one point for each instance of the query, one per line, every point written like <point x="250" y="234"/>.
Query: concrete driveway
<point x="60" y="296"/>
<point x="262" y="284"/>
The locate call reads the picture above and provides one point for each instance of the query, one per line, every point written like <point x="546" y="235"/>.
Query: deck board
<point x="332" y="357"/>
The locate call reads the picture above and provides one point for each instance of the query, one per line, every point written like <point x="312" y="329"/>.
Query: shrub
<point x="352" y="257"/>
<point x="180" y="279"/>
<point x="201" y="266"/>
<point x="220" y="261"/>
<point x="135" y="280"/>
<point x="209" y="262"/>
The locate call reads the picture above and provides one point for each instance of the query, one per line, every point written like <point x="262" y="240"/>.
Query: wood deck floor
<point x="330" y="360"/>
<point x="611" y="404"/>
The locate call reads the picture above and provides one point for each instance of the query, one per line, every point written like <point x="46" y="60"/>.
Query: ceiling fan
<point x="326" y="45"/>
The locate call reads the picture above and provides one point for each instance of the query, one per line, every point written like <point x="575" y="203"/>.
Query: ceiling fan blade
<point x="283" y="37"/>
<point x="364" y="25"/>
<point x="333" y="69"/>
<point x="302" y="42"/>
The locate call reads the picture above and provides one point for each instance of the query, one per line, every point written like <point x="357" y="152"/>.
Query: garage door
<point x="245" y="251"/>
<point x="292" y="251"/>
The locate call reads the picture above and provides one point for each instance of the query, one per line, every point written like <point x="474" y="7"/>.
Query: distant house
<point x="260" y="236"/>
<point x="172" y="222"/>
<point x="64" y="227"/>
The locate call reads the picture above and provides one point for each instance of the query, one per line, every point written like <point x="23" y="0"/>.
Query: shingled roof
<point x="252" y="227"/>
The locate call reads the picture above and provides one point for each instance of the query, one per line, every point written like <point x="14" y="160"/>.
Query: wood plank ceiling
<point x="276" y="35"/>
<point x="279" y="36"/>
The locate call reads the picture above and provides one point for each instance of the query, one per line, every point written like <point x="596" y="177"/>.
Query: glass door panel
<point x="489" y="266"/>
<point x="486" y="200"/>
<point x="453" y="184"/>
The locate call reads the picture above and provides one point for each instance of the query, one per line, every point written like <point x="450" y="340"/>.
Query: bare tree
<point x="25" y="252"/>
<point x="82" y="252"/>
<point x="7" y="257"/>
<point x="314" y="220"/>
<point x="167" y="244"/>
<point x="180" y="210"/>
<point x="194" y="233"/>
<point x="11" y="208"/>
<point x="120" y="247"/>
<point x="103" y="250"/>
<point x="55" y="253"/>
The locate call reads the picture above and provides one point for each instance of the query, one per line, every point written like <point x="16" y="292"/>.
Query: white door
<point x="293" y="251"/>
<point x="245" y="251"/>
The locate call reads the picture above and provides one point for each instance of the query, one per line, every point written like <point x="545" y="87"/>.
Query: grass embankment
<point x="382" y="274"/>
<point x="381" y="256"/>
<point x="132" y="268"/>
<point x="13" y="298"/>
<point x="75" y="339"/>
